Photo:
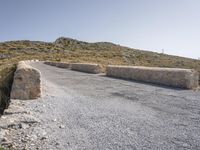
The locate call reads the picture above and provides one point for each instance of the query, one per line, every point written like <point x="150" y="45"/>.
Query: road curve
<point x="87" y="111"/>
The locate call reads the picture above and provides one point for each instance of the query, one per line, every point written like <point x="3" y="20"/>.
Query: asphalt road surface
<point x="87" y="111"/>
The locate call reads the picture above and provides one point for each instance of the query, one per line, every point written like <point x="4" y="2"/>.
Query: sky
<point x="171" y="25"/>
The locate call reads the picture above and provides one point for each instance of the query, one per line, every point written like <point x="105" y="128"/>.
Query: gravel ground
<point x="85" y="111"/>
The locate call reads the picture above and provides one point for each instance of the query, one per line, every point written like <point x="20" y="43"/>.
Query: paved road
<point x="86" y="111"/>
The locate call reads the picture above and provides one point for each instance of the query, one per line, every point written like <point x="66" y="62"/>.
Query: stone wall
<point x="83" y="67"/>
<point x="50" y="63"/>
<point x="58" y="64"/>
<point x="89" y="68"/>
<point x="175" y="77"/>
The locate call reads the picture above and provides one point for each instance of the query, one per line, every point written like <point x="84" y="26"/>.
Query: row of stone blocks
<point x="175" y="77"/>
<point x="27" y="80"/>
<point x="84" y="67"/>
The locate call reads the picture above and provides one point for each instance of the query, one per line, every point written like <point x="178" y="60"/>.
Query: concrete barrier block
<point x="89" y="68"/>
<point x="175" y="77"/>
<point x="50" y="63"/>
<point x="62" y="65"/>
<point x="58" y="64"/>
<point x="47" y="62"/>
<point x="27" y="82"/>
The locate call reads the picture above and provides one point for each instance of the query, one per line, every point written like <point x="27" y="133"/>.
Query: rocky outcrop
<point x="89" y="68"/>
<point x="27" y="82"/>
<point x="175" y="77"/>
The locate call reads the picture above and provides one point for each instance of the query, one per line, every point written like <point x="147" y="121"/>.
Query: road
<point x="86" y="111"/>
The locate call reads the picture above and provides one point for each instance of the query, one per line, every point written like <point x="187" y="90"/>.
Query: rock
<point x="43" y="138"/>
<point x="24" y="140"/>
<point x="24" y="126"/>
<point x="57" y="144"/>
<point x="32" y="144"/>
<point x="61" y="126"/>
<point x="7" y="144"/>
<point x="4" y="139"/>
<point x="54" y="120"/>
<point x="3" y="117"/>
<point x="2" y="135"/>
<point x="33" y="137"/>
<point x="27" y="82"/>
<point x="14" y="126"/>
<point x="30" y="120"/>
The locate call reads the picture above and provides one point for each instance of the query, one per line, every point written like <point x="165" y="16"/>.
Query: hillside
<point x="66" y="49"/>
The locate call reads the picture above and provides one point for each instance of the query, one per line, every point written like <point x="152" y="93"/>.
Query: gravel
<point x="86" y="111"/>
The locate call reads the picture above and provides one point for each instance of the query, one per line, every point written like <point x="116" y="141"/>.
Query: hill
<point x="71" y="50"/>
<point x="67" y="49"/>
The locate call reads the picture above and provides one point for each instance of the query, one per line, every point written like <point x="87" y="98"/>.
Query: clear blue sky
<point x="172" y="25"/>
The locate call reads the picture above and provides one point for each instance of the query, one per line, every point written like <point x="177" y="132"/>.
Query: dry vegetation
<point x="69" y="50"/>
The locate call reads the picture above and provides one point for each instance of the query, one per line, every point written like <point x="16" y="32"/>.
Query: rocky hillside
<point x="66" y="49"/>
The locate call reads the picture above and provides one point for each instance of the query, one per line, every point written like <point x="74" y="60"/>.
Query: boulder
<point x="27" y="82"/>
